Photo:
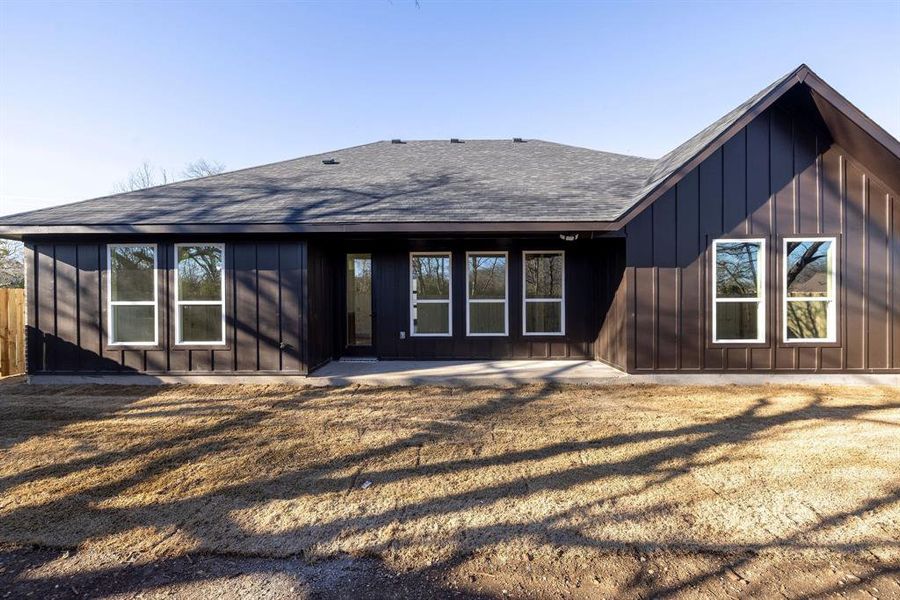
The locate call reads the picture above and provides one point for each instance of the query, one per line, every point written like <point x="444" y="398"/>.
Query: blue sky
<point x="89" y="91"/>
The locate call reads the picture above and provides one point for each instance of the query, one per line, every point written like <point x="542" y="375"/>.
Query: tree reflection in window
<point x="738" y="301"/>
<point x="200" y="302"/>
<point x="737" y="273"/>
<point x="199" y="272"/>
<point x="809" y="292"/>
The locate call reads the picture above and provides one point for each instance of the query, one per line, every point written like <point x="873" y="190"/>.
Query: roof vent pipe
<point x="456" y="141"/>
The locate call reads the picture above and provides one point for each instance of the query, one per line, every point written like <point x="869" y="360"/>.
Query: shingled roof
<point x="437" y="182"/>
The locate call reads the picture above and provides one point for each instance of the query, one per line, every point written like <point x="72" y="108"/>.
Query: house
<point x="770" y="241"/>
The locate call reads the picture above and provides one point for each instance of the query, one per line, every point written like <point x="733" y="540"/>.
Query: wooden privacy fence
<point x="12" y="331"/>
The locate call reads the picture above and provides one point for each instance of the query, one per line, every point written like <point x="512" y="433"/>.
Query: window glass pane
<point x="359" y="299"/>
<point x="487" y="277"/>
<point x="131" y="273"/>
<point x="432" y="317"/>
<point x="543" y="317"/>
<point x="736" y="321"/>
<point x="133" y="323"/>
<point x="487" y="317"/>
<point x="199" y="273"/>
<point x="431" y="277"/>
<point x="543" y="275"/>
<point x="808" y="269"/>
<point x="737" y="272"/>
<point x="807" y="320"/>
<point x="201" y="323"/>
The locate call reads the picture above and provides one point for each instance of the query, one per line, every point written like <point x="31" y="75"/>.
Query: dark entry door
<point x="359" y="315"/>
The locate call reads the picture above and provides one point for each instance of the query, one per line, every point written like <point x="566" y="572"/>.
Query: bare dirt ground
<point x="531" y="492"/>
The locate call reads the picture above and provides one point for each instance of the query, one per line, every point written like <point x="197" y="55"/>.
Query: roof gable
<point x="848" y="125"/>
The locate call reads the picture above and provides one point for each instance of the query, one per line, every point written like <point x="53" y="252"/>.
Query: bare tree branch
<point x="12" y="264"/>
<point x="143" y="177"/>
<point x="147" y="175"/>
<point x="202" y="168"/>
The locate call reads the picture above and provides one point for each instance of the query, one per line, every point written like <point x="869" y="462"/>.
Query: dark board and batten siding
<point x="585" y="300"/>
<point x="392" y="281"/>
<point x="264" y="303"/>
<point x="779" y="176"/>
<point x="611" y="344"/>
<point x="322" y="277"/>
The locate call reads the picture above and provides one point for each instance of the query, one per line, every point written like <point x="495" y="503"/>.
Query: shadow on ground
<point x="531" y="491"/>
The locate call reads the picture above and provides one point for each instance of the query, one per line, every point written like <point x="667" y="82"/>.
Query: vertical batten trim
<point x="820" y="207"/>
<point x="678" y="336"/>
<point x="722" y="231"/>
<point x="101" y="255"/>
<point x="866" y="266"/>
<point x="655" y="326"/>
<point x="746" y="182"/>
<point x="234" y="309"/>
<point x="892" y="316"/>
<point x="889" y="291"/>
<point x="280" y="309"/>
<point x="256" y="297"/>
<point x="795" y="184"/>
<point x="820" y="191"/>
<point x="771" y="261"/>
<point x="78" y="353"/>
<point x="842" y="165"/>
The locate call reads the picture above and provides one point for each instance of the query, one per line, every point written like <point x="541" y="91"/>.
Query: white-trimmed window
<point x="810" y="292"/>
<point x="486" y="293"/>
<point x="132" y="294"/>
<point x="738" y="293"/>
<point x="199" y="293"/>
<point x="544" y="285"/>
<point x="431" y="294"/>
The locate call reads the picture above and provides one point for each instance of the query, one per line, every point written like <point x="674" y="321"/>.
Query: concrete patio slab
<point x="581" y="372"/>
<point x="477" y="372"/>
<point x="488" y="372"/>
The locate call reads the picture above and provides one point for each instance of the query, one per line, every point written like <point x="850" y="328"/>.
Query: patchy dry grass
<point x="722" y="481"/>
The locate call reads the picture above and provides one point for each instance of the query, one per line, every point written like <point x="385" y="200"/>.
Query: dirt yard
<point x="532" y="492"/>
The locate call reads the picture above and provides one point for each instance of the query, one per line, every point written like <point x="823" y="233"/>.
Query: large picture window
<point x="431" y="294"/>
<point x="486" y="293"/>
<point x="543" y="311"/>
<point x="199" y="294"/>
<point x="131" y="289"/>
<point x="738" y="291"/>
<point x="809" y="290"/>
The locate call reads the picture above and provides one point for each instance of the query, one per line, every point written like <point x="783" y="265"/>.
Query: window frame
<point x="110" y="303"/>
<point x="561" y="300"/>
<point x="762" y="259"/>
<point x="831" y="299"/>
<point x="505" y="301"/>
<point x="413" y="301"/>
<point x="179" y="303"/>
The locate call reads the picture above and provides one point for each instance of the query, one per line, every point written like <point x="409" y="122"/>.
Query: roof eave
<point x="21" y="231"/>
